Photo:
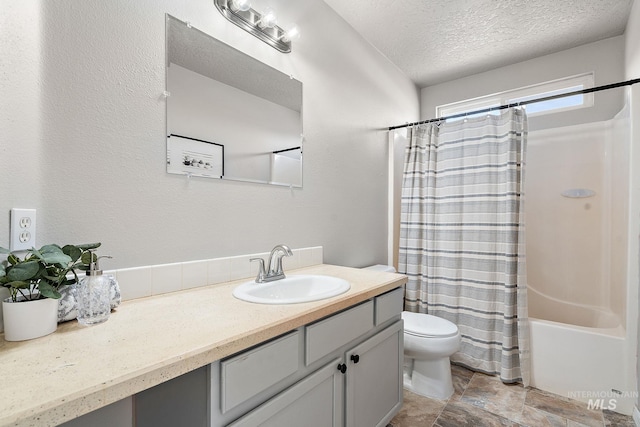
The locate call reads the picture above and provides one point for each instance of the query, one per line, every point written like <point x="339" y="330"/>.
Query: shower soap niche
<point x="578" y="193"/>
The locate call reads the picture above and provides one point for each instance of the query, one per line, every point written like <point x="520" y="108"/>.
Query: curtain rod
<point x="287" y="149"/>
<point x="517" y="104"/>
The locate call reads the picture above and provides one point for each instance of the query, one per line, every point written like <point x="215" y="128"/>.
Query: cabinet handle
<point x="355" y="358"/>
<point x="342" y="368"/>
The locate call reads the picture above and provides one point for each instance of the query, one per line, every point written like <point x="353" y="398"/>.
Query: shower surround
<point x="577" y="262"/>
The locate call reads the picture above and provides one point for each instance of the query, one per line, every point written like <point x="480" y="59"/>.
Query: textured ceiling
<point x="433" y="41"/>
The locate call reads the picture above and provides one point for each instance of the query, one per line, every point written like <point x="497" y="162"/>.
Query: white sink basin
<point x="292" y="289"/>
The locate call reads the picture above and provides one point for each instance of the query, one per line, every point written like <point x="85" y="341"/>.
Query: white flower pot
<point x="25" y="320"/>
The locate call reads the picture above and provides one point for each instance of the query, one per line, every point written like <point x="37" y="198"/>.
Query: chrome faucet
<point x="275" y="271"/>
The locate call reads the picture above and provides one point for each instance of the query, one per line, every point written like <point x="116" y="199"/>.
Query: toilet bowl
<point x="429" y="341"/>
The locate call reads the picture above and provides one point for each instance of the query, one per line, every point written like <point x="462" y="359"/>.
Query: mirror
<point x="229" y="116"/>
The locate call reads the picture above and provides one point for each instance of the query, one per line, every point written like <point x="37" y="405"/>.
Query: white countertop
<point x="145" y="342"/>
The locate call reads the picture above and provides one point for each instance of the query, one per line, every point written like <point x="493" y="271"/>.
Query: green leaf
<point x="18" y="284"/>
<point x="36" y="253"/>
<point x="13" y="259"/>
<point x="24" y="271"/>
<point x="56" y="258"/>
<point x="68" y="282"/>
<point x="88" y="246"/>
<point x="88" y="257"/>
<point x="46" y="290"/>
<point x="50" y="278"/>
<point x="4" y="251"/>
<point x="50" y="251"/>
<point x="50" y="248"/>
<point x="72" y="251"/>
<point x="42" y="272"/>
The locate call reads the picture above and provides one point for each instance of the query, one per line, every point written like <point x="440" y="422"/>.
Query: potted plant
<point x="31" y="310"/>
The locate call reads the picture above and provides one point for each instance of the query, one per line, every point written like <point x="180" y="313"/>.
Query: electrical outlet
<point x="23" y="229"/>
<point x="25" y="222"/>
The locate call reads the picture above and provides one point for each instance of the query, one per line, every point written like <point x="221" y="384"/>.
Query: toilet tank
<point x="381" y="267"/>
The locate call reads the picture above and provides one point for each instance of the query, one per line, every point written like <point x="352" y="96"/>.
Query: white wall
<point x="632" y="40"/>
<point x="20" y="114"/>
<point x="83" y="122"/>
<point x="632" y="71"/>
<point x="605" y="58"/>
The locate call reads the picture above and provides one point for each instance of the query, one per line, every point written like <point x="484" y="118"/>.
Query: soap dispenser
<point x="92" y="295"/>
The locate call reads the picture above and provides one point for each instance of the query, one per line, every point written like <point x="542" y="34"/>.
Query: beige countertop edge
<point x="55" y="409"/>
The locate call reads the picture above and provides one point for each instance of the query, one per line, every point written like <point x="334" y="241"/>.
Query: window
<point x="555" y="87"/>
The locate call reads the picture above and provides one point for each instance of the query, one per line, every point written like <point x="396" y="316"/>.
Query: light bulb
<point x="240" y="5"/>
<point x="268" y="19"/>
<point x="291" y="33"/>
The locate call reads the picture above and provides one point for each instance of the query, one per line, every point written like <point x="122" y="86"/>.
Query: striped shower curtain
<point x="462" y="237"/>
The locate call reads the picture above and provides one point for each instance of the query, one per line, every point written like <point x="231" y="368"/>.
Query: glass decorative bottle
<point x="92" y="295"/>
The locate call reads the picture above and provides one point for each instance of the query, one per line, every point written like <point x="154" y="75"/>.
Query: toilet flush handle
<point x="355" y="358"/>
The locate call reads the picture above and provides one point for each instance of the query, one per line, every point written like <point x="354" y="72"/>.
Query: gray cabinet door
<point x="254" y="371"/>
<point x="315" y="401"/>
<point x="374" y="379"/>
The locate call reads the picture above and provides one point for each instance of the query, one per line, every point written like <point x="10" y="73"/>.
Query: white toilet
<point x="429" y="341"/>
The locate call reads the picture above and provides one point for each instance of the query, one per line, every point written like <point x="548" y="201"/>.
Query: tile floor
<point x="484" y="401"/>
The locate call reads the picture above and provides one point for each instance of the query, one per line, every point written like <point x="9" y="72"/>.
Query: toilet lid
<point x="427" y="325"/>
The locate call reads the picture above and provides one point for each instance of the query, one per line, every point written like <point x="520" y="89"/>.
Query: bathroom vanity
<point x="202" y="357"/>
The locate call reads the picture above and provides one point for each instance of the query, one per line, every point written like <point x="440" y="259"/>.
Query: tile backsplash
<point x="152" y="280"/>
<point x="140" y="282"/>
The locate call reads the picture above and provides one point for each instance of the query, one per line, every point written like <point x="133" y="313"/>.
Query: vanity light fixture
<point x="240" y="5"/>
<point x="268" y="19"/>
<point x="262" y="25"/>
<point x="291" y="33"/>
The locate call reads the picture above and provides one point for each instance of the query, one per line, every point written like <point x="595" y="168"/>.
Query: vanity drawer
<point x="253" y="371"/>
<point x="389" y="305"/>
<point x="327" y="335"/>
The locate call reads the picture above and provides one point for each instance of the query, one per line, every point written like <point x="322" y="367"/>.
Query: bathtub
<point x="578" y="352"/>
